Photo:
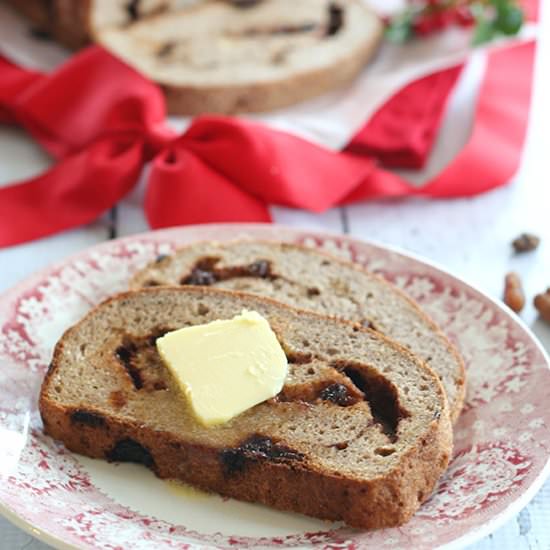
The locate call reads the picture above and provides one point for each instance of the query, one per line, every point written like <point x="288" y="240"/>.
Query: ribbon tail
<point x="75" y="191"/>
<point x="493" y="153"/>
<point x="401" y="134"/>
<point x="184" y="190"/>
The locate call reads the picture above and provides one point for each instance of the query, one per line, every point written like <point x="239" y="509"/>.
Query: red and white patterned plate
<point x="502" y="440"/>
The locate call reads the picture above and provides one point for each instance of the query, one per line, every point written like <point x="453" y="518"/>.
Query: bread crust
<point x="37" y="11"/>
<point x="299" y="486"/>
<point x="371" y="504"/>
<point x="67" y="21"/>
<point x="72" y="25"/>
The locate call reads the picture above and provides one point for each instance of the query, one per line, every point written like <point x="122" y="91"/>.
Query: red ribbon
<point x="493" y="152"/>
<point x="402" y="133"/>
<point x="103" y="121"/>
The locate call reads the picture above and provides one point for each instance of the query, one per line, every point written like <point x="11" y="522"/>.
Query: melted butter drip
<point x="187" y="491"/>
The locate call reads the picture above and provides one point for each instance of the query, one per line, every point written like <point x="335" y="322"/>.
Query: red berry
<point x="427" y="23"/>
<point x="463" y="16"/>
<point x="442" y="19"/>
<point x="424" y="25"/>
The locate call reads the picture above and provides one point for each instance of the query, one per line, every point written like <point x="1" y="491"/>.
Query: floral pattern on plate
<point x="502" y="439"/>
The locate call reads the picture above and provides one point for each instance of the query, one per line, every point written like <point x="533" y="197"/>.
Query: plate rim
<point x="470" y="537"/>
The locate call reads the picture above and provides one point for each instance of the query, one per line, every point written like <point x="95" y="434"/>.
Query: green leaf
<point x="484" y="31"/>
<point x="500" y="4"/>
<point x="509" y="19"/>
<point x="400" y="28"/>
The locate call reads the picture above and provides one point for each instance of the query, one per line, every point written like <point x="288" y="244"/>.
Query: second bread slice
<point x="308" y="279"/>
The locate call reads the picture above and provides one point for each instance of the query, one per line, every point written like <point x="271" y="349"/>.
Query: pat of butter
<point x="226" y="366"/>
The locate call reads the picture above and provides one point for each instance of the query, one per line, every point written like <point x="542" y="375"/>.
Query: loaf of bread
<point x="224" y="56"/>
<point x="72" y="23"/>
<point x="305" y="278"/>
<point x="360" y="432"/>
<point x="216" y="57"/>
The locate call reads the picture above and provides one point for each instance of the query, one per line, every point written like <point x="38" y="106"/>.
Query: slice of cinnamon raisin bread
<point x="218" y="57"/>
<point x="223" y="56"/>
<point x="309" y="279"/>
<point x="360" y="432"/>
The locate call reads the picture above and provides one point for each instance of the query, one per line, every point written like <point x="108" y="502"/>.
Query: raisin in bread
<point x="226" y="56"/>
<point x="360" y="432"/>
<point x="305" y="278"/>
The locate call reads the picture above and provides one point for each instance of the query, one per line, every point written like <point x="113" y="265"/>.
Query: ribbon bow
<point x="103" y="121"/>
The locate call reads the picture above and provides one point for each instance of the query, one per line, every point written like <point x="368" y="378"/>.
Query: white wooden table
<point x="469" y="237"/>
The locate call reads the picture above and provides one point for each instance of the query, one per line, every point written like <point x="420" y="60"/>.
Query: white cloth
<point x="330" y="120"/>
